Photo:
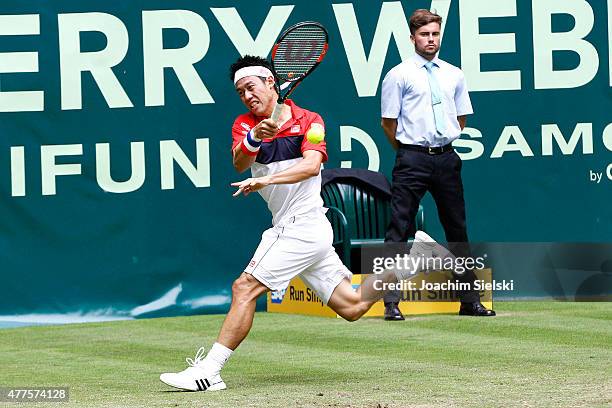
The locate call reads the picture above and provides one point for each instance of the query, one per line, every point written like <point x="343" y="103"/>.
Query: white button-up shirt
<point x="406" y="96"/>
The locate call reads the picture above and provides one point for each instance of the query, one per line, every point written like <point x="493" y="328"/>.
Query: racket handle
<point x="277" y="111"/>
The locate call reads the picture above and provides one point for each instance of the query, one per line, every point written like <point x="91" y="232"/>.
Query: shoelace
<point x="199" y="357"/>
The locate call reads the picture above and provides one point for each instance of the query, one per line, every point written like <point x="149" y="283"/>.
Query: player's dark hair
<point x="422" y="17"/>
<point x="250" y="61"/>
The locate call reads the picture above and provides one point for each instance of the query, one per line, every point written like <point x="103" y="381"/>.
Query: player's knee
<point x="351" y="316"/>
<point x="353" y="313"/>
<point x="243" y="289"/>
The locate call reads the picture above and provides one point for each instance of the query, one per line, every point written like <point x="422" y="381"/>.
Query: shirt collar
<point x="296" y="111"/>
<point x="420" y="61"/>
<point x="296" y="114"/>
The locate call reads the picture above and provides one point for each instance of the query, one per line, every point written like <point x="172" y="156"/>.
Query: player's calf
<point x="348" y="303"/>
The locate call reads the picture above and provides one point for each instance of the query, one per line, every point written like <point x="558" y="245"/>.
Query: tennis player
<point x="286" y="172"/>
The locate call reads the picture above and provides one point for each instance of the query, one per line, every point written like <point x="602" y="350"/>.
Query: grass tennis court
<point x="533" y="354"/>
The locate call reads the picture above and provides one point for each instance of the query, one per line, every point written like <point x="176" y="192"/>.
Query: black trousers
<point x="415" y="173"/>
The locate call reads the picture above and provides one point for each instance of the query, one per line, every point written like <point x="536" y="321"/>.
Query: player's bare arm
<point x="242" y="161"/>
<point x="310" y="166"/>
<point x="390" y="127"/>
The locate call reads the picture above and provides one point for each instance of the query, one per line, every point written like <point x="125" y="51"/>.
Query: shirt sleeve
<point x="462" y="97"/>
<point x="320" y="147"/>
<point x="239" y="131"/>
<point x="391" y="95"/>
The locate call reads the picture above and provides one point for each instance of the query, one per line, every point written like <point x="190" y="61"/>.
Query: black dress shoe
<point x="392" y="312"/>
<point x="475" y="309"/>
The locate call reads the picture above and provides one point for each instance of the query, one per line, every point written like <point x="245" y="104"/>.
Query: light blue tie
<point x="436" y="99"/>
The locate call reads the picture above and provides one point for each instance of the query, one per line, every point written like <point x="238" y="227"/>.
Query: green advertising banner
<point x="115" y="118"/>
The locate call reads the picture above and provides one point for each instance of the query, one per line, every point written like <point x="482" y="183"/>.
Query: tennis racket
<point x="297" y="52"/>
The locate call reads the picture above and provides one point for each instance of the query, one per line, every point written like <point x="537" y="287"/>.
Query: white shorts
<point x="302" y="245"/>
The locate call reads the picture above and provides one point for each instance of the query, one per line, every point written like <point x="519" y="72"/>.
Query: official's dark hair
<point x="422" y="17"/>
<point x="250" y="61"/>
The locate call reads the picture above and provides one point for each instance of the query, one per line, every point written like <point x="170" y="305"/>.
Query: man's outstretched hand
<point x="250" y="185"/>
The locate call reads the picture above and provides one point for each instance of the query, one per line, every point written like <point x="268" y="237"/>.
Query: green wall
<point x="85" y="243"/>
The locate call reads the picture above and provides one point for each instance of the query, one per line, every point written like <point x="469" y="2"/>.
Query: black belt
<point x="427" y="149"/>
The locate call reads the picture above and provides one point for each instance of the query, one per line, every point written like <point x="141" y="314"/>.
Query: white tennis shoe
<point x="427" y="246"/>
<point x="196" y="377"/>
<point x="423" y="245"/>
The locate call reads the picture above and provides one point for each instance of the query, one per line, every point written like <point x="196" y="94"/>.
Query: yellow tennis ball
<point x="315" y="134"/>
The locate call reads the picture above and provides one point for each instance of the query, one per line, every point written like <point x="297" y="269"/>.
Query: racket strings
<point x="298" y="52"/>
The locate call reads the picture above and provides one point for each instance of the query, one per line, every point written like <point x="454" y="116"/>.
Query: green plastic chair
<point x="359" y="216"/>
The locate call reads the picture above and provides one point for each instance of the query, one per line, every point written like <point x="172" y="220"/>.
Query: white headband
<point x="255" y="70"/>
